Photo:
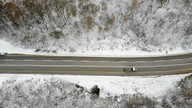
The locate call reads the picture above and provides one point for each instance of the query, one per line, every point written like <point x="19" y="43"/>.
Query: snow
<point x="5" y="46"/>
<point x="149" y="28"/>
<point x="152" y="86"/>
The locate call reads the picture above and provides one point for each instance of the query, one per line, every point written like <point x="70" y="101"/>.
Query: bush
<point x="162" y="1"/>
<point x="186" y="87"/>
<point x="134" y="4"/>
<point x="188" y="31"/>
<point x="26" y="39"/>
<point x="56" y="34"/>
<point x="90" y="9"/>
<point x="88" y="21"/>
<point x="181" y="97"/>
<point x="111" y="20"/>
<point x="165" y="103"/>
<point x="139" y="101"/>
<point x="71" y="10"/>
<point x="95" y="92"/>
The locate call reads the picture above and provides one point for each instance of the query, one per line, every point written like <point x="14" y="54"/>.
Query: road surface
<point x="32" y="64"/>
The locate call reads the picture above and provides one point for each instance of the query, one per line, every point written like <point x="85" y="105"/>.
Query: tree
<point x="13" y="12"/>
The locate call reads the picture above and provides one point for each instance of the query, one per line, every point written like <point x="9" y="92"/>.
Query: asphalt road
<point x="95" y="65"/>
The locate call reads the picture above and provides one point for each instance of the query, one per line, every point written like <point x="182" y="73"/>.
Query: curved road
<point x="16" y="63"/>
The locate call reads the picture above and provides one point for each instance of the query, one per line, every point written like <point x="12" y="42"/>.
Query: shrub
<point x="71" y="10"/>
<point x="125" y="17"/>
<point x="134" y="4"/>
<point x="139" y="101"/>
<point x="88" y="21"/>
<point x="165" y="103"/>
<point x="181" y="97"/>
<point x="26" y="39"/>
<point x="186" y="87"/>
<point x="162" y="1"/>
<point x="56" y="34"/>
<point x="34" y="8"/>
<point x="95" y="92"/>
<point x="90" y="8"/>
<point x="104" y="6"/>
<point x="187" y="2"/>
<point x="188" y="31"/>
<point x="111" y="20"/>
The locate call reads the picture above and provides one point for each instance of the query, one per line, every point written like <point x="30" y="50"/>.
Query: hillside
<point x="65" y="91"/>
<point x="80" y="26"/>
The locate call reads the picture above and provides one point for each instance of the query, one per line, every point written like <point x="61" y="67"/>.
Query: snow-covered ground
<point x="8" y="47"/>
<point x="152" y="86"/>
<point x="65" y="91"/>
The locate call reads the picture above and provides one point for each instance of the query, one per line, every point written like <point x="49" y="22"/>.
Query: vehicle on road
<point x="3" y="53"/>
<point x="132" y="69"/>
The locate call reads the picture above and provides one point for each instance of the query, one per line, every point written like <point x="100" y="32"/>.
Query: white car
<point x="3" y="53"/>
<point x="132" y="69"/>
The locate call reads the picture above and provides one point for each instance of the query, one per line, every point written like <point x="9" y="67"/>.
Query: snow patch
<point x="7" y="47"/>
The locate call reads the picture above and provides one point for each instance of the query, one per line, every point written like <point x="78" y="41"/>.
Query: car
<point x="3" y="53"/>
<point x="132" y="69"/>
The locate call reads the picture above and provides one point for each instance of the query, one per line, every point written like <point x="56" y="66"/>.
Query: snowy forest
<point x="81" y="26"/>
<point x="59" y="93"/>
<point x="97" y="25"/>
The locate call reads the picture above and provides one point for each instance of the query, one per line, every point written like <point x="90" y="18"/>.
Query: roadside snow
<point x="152" y="86"/>
<point x="8" y="47"/>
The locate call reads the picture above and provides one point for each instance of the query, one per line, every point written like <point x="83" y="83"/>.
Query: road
<point x="32" y="64"/>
